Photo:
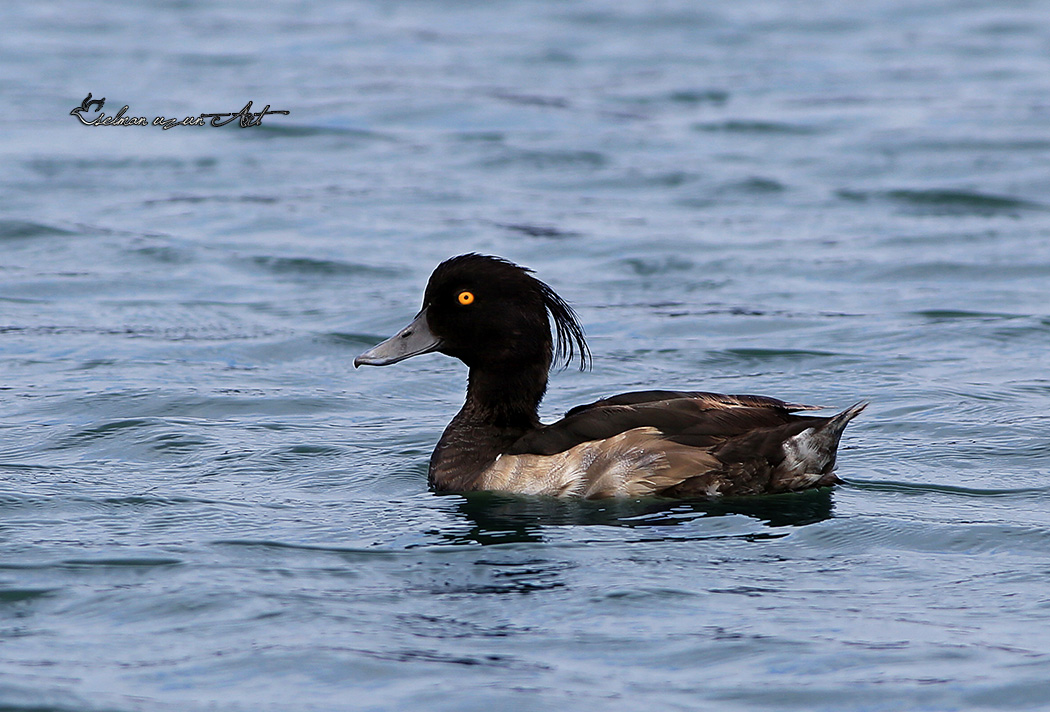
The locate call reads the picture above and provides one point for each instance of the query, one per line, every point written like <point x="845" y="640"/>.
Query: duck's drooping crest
<point x="495" y="317"/>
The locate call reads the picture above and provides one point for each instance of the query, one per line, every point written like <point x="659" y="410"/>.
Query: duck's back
<point x="673" y="444"/>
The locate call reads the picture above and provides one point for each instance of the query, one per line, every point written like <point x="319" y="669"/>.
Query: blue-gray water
<point x="204" y="507"/>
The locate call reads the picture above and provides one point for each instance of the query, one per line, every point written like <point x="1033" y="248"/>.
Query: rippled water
<point x="203" y="507"/>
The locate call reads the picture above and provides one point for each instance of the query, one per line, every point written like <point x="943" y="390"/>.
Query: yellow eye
<point x="466" y="298"/>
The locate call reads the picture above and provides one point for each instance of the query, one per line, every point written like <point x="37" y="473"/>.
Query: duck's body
<point x="493" y="316"/>
<point x="643" y="444"/>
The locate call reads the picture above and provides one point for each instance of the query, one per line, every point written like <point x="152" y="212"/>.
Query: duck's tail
<point x="838" y="423"/>
<point x="810" y="455"/>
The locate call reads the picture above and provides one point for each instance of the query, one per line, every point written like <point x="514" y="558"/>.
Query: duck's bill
<point x="414" y="339"/>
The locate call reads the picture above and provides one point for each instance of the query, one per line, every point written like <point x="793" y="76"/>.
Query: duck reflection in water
<point x="497" y="518"/>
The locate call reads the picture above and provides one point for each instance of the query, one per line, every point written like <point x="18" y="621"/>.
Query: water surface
<point x="203" y="507"/>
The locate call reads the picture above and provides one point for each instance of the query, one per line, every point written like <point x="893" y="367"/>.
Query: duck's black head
<point x="491" y="314"/>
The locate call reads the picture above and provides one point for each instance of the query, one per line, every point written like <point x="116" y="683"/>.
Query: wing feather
<point x="714" y="399"/>
<point x="688" y="418"/>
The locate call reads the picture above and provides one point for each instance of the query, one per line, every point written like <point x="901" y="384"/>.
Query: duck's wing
<point x="690" y="418"/>
<point x="673" y="443"/>
<point x="714" y="400"/>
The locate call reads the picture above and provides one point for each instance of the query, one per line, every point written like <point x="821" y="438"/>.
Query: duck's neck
<point x="501" y="406"/>
<point x="506" y="399"/>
